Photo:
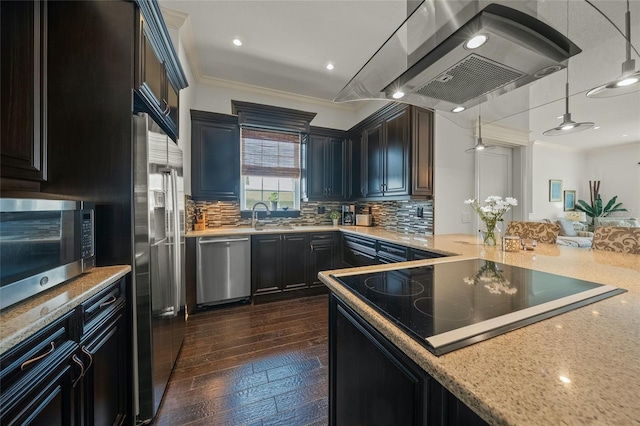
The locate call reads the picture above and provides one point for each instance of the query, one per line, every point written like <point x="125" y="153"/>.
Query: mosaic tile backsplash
<point x="398" y="216"/>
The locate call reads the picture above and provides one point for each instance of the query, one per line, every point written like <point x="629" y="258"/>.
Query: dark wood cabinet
<point x="23" y="90"/>
<point x="396" y="153"/>
<point x="326" y="164"/>
<point x="323" y="255"/>
<point x="160" y="93"/>
<point x="358" y="251"/>
<point x="103" y="350"/>
<point x="215" y="156"/>
<point x="74" y="371"/>
<point x="286" y="265"/>
<point x="371" y="381"/>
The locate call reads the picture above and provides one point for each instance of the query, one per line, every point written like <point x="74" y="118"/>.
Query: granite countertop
<point x="580" y="367"/>
<point x="22" y="320"/>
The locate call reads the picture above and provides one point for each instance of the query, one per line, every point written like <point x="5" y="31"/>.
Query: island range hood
<point x="442" y="58"/>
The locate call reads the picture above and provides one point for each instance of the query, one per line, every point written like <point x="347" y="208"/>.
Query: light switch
<point x="466" y="217"/>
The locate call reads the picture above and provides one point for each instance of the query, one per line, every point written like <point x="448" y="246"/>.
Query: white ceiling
<point x="288" y="43"/>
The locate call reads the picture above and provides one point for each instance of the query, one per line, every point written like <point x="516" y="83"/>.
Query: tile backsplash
<point x="398" y="216"/>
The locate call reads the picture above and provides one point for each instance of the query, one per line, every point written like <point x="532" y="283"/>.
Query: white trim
<point x="496" y="134"/>
<point x="182" y="22"/>
<point x="504" y="320"/>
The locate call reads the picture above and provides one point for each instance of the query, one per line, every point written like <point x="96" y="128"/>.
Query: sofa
<point x="568" y="236"/>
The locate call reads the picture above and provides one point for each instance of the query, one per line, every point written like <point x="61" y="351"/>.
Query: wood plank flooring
<point x="252" y="365"/>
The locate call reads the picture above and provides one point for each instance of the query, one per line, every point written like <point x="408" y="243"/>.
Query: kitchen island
<point x="579" y="367"/>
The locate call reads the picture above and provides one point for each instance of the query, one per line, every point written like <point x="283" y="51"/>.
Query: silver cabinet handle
<point x="90" y="355"/>
<point x="77" y="361"/>
<point x="201" y="242"/>
<point x="111" y="300"/>
<point x="38" y="358"/>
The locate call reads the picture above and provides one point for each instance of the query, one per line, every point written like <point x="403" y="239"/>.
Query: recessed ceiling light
<point x="397" y="95"/>
<point x="237" y="42"/>
<point x="458" y="109"/>
<point x="596" y="128"/>
<point x="330" y="66"/>
<point x="560" y="117"/>
<point x="476" y="41"/>
<point x="625" y="135"/>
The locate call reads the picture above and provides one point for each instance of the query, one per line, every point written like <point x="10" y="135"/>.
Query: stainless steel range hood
<point x="428" y="60"/>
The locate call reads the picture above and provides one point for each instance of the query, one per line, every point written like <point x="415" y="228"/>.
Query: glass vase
<point x="491" y="235"/>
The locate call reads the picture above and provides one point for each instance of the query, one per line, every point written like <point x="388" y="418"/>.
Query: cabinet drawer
<point x="323" y="237"/>
<point x="102" y="305"/>
<point x="360" y="243"/>
<point x="423" y="254"/>
<point x="33" y="358"/>
<point x="392" y="250"/>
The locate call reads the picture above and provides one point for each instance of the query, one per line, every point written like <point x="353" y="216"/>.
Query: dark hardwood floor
<point x="252" y="365"/>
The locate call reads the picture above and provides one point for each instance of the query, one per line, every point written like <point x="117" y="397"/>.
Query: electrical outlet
<point x="321" y="210"/>
<point x="420" y="212"/>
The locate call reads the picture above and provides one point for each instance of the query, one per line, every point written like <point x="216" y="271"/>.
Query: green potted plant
<point x="273" y="200"/>
<point x="334" y="215"/>
<point x="596" y="208"/>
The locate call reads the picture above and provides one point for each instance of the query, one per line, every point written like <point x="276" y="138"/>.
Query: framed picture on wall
<point x="569" y="200"/>
<point x="555" y="190"/>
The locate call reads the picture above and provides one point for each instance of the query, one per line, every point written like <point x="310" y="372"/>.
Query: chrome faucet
<point x="254" y="213"/>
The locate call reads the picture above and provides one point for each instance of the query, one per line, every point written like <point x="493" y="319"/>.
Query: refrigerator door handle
<point x="177" y="261"/>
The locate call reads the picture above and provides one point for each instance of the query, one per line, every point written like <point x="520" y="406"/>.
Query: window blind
<point x="268" y="153"/>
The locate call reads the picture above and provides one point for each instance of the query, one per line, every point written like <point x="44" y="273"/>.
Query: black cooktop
<point x="454" y="304"/>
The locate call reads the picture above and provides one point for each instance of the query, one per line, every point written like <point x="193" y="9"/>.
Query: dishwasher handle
<point x="212" y="241"/>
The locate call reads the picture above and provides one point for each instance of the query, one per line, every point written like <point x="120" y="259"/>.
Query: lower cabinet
<point x="286" y="265"/>
<point x="74" y="371"/>
<point x="371" y="382"/>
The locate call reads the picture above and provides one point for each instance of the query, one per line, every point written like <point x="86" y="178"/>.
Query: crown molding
<point x="218" y="82"/>
<point x="182" y="22"/>
<point x="496" y="134"/>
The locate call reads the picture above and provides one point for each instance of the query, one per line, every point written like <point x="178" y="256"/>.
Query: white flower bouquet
<point x="492" y="213"/>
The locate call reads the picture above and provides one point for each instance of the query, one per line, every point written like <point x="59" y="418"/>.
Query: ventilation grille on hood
<point x="470" y="78"/>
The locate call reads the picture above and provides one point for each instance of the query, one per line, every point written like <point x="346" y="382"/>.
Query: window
<point x="270" y="163"/>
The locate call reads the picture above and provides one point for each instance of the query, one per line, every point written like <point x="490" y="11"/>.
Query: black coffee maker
<point x="348" y="214"/>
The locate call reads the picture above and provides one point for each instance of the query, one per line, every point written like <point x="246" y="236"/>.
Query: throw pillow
<point x="566" y="228"/>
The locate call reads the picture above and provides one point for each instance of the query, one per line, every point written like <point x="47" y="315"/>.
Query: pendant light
<point x="629" y="80"/>
<point x="479" y="146"/>
<point x="568" y="125"/>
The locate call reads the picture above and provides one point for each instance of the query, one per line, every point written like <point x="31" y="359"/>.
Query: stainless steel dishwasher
<point x="223" y="269"/>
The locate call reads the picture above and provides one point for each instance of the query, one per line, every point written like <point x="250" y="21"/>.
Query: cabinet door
<point x="323" y="251"/>
<point x="422" y="152"/>
<point x="152" y="71"/>
<point x="370" y="381"/>
<point x="372" y="155"/>
<point x="23" y="94"/>
<point x="317" y="166"/>
<point x="215" y="161"/>
<point x="295" y="261"/>
<point x="173" y="99"/>
<point x="104" y="386"/>
<point x="335" y="170"/>
<point x="396" y="154"/>
<point x="266" y="268"/>
<point x="48" y="403"/>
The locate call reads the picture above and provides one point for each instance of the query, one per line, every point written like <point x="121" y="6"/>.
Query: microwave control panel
<point x="87" y="233"/>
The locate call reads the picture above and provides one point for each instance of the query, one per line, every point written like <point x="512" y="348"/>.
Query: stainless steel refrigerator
<point x="159" y="277"/>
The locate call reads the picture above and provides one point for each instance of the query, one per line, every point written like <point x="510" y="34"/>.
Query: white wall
<point x="454" y="176"/>
<point x="216" y="95"/>
<point x="552" y="161"/>
<point x="618" y="170"/>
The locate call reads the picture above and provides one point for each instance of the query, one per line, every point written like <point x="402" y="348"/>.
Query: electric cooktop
<point x="455" y="304"/>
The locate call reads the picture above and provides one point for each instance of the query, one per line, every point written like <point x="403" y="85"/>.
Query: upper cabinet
<point x="215" y="156"/>
<point x="327" y="165"/>
<point x="23" y="141"/>
<point x="396" y="153"/>
<point x="161" y="76"/>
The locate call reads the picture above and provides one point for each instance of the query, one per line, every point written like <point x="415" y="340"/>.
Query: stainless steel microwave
<point x="43" y="243"/>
